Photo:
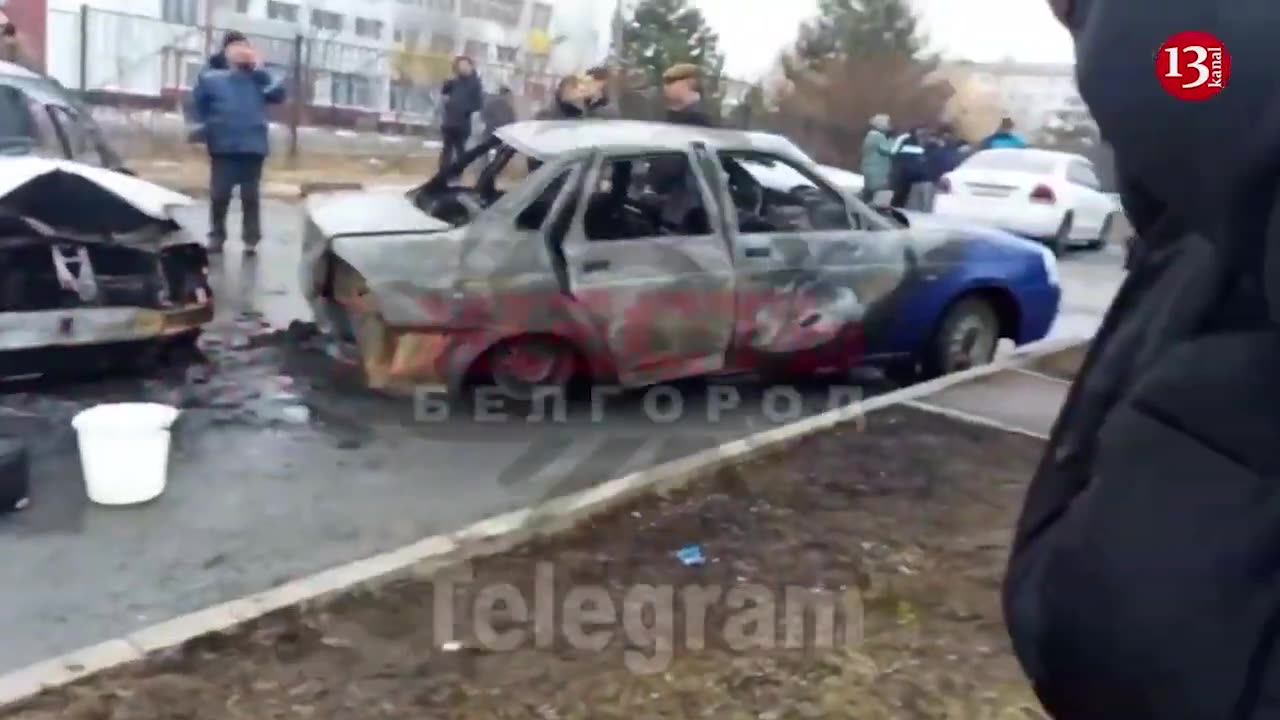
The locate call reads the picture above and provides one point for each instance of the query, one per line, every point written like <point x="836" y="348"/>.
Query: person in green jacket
<point x="877" y="157"/>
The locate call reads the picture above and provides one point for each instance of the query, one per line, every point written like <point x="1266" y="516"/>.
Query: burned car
<point x="635" y="253"/>
<point x="92" y="261"/>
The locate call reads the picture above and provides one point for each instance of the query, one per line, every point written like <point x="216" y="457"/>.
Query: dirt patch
<point x="910" y="516"/>
<point x="1064" y="364"/>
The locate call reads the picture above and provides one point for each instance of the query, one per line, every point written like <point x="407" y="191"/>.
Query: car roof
<point x="41" y="88"/>
<point x="550" y="138"/>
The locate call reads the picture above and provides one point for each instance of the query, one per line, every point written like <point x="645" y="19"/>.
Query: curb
<point x="486" y="537"/>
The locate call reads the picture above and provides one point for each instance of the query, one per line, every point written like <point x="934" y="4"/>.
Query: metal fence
<point x="137" y="72"/>
<point x="360" y="101"/>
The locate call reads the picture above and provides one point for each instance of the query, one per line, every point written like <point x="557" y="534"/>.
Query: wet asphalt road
<point x="256" y="498"/>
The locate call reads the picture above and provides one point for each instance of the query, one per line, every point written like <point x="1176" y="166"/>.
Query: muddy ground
<point x="907" y="518"/>
<point x="1064" y="364"/>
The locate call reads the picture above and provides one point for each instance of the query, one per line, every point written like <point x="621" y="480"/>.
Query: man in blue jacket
<point x="1005" y="137"/>
<point x="229" y="105"/>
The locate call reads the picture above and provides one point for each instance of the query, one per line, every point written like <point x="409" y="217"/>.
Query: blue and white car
<point x="968" y="294"/>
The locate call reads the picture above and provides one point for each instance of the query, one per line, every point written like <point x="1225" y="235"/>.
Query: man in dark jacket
<point x="1143" y="577"/>
<point x="229" y="105"/>
<point x="909" y="166"/>
<point x="682" y="89"/>
<point x="463" y="98"/>
<point x="598" y="102"/>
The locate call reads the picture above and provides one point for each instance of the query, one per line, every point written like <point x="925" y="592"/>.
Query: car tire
<point x="1058" y="242"/>
<point x="967" y="336"/>
<point x="522" y="369"/>
<point x="1107" y="225"/>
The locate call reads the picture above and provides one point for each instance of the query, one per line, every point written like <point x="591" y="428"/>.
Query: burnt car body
<point x="92" y="265"/>
<point x="636" y="252"/>
<point x="94" y="269"/>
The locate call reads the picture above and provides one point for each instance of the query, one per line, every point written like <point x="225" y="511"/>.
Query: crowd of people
<point x="908" y="165"/>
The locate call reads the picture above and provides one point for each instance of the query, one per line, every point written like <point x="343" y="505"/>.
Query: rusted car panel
<point x="444" y="273"/>
<point x="91" y="257"/>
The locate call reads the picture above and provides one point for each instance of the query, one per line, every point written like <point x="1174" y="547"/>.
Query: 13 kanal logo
<point x="1193" y="65"/>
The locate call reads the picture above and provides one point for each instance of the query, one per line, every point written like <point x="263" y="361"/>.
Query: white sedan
<point x="1051" y="196"/>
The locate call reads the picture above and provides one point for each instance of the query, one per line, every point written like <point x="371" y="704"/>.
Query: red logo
<point x="1193" y="65"/>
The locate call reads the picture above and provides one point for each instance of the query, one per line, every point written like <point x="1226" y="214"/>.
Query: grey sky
<point x="753" y="32"/>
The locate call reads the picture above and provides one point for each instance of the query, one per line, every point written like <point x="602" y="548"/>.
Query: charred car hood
<point x="92" y="203"/>
<point x="369" y="212"/>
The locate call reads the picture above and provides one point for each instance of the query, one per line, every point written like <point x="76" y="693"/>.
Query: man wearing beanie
<point x="230" y="110"/>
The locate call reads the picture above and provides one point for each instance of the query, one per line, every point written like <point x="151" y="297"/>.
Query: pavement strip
<point x="496" y="534"/>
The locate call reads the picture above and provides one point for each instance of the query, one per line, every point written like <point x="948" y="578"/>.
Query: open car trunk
<point x="91" y="257"/>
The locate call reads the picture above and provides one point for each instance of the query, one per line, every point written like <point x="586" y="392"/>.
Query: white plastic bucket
<point x="124" y="451"/>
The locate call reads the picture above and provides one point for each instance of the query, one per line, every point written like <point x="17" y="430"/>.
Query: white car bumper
<point x="1021" y="218"/>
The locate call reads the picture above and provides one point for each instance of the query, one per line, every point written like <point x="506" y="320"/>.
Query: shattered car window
<point x="646" y="196"/>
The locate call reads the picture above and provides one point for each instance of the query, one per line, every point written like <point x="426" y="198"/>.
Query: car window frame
<point x="74" y="121"/>
<point x="591" y="181"/>
<point x="862" y="217"/>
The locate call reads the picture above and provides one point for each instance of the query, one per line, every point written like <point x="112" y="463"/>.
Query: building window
<point x="351" y="90"/>
<point x="325" y="20"/>
<point x="242" y="7"/>
<point x="408" y="38"/>
<point x="183" y="12"/>
<point x="507" y="54"/>
<point x="504" y="12"/>
<point x="367" y="28"/>
<point x="476" y="50"/>
<point x="442" y="44"/>
<point x="541" y="19"/>
<point x="282" y="11"/>
<point x="443" y="6"/>
<point x="538" y="63"/>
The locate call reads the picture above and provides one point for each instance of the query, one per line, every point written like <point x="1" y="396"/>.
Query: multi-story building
<point x="1029" y="93"/>
<point x="376" y="57"/>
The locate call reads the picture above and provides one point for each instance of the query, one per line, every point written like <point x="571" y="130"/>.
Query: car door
<point x="810" y="264"/>
<point x="1092" y="206"/>
<point x="647" y="260"/>
<point x="26" y="127"/>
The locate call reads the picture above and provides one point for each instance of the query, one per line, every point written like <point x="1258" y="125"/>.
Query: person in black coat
<point x="1144" y="577"/>
<point x="463" y="98"/>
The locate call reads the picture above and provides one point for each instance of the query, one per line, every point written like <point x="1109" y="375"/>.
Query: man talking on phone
<point x="229" y="105"/>
<point x="1144" y="581"/>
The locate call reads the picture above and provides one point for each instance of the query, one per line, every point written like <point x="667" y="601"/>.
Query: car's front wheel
<point x="967" y="337"/>
<point x="522" y="369"/>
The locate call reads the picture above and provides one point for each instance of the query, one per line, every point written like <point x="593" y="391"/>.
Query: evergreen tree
<point x="861" y="28"/>
<point x="662" y="33"/>
<point x="859" y="58"/>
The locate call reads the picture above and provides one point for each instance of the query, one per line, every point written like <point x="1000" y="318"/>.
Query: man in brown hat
<point x="682" y="89"/>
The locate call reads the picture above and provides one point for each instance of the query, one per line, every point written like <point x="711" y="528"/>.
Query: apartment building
<point x="372" y="56"/>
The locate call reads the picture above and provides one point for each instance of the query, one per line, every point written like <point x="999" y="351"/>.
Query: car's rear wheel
<point x="1058" y="242"/>
<point x="522" y="369"/>
<point x="966" y="337"/>
<point x="1108" y="226"/>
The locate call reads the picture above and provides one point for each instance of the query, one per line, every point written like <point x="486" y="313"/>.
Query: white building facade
<point x="1029" y="93"/>
<point x="372" y="56"/>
